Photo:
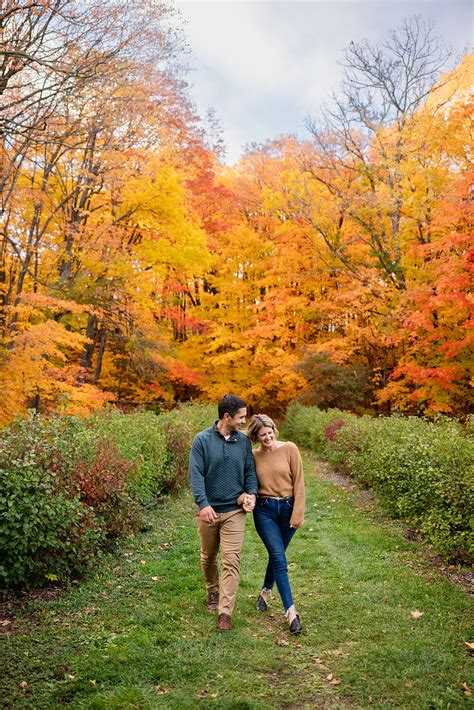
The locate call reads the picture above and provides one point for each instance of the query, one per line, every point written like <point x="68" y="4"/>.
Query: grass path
<point x="136" y="634"/>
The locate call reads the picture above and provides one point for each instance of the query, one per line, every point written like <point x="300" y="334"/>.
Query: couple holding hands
<point x="228" y="480"/>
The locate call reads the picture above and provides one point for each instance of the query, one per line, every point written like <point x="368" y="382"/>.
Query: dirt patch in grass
<point x="318" y="701"/>
<point x="345" y="481"/>
<point x="15" y="601"/>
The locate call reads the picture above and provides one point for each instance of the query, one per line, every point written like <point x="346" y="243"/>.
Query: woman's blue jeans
<point x="272" y="522"/>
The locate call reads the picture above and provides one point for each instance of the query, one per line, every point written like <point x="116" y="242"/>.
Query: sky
<point x="264" y="66"/>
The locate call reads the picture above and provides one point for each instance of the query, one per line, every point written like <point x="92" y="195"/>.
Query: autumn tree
<point x="98" y="204"/>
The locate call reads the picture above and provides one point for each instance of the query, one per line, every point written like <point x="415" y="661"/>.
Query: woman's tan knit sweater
<point x="280" y="474"/>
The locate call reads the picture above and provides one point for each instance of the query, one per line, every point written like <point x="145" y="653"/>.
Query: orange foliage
<point x="136" y="267"/>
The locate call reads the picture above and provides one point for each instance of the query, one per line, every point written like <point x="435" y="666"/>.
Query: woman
<point x="279" y="509"/>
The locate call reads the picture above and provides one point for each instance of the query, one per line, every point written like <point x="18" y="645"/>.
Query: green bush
<point x="157" y="444"/>
<point x="103" y="482"/>
<point x="307" y="425"/>
<point x="67" y="485"/>
<point x="45" y="528"/>
<point x="180" y="426"/>
<point x="141" y="439"/>
<point x="420" y="470"/>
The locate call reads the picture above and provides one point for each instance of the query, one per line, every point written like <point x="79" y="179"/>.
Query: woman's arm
<point x="296" y="468"/>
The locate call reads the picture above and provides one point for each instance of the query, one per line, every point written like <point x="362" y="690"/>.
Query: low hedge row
<point x="68" y="486"/>
<point x="420" y="470"/>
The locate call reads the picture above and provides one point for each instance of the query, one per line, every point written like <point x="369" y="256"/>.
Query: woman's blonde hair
<point x="259" y="421"/>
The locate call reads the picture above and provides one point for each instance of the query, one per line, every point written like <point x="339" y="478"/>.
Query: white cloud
<point x="264" y="65"/>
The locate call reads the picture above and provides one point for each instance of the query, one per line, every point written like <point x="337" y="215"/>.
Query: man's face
<point x="237" y="421"/>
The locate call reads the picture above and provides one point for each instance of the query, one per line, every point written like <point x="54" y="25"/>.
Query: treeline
<point x="134" y="266"/>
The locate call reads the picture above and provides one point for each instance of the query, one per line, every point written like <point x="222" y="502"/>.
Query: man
<point x="221" y="469"/>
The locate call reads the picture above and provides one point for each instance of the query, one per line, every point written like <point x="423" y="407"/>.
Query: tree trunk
<point x="100" y="353"/>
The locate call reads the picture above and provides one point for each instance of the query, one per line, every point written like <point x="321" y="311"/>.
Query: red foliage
<point x="333" y="427"/>
<point x="103" y="482"/>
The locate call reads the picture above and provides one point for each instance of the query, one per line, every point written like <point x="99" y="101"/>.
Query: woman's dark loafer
<point x="261" y="604"/>
<point x="295" y="626"/>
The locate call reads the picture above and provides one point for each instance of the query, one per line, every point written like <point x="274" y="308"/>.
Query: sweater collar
<point x="232" y="437"/>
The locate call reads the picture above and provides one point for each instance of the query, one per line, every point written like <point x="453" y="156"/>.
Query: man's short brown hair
<point x="230" y="404"/>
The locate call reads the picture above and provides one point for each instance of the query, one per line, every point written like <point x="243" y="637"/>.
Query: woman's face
<point x="266" y="436"/>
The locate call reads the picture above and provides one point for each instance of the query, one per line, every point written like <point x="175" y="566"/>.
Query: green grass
<point x="122" y="640"/>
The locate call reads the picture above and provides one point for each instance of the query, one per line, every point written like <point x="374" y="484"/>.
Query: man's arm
<point x="196" y="478"/>
<point x="296" y="468"/>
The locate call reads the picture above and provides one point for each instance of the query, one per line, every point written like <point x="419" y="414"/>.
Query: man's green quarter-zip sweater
<point x="221" y="469"/>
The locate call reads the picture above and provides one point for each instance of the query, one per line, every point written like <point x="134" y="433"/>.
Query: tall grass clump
<point x="421" y="471"/>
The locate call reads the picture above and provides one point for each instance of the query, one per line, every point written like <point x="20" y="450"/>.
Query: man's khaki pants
<point x="228" y="533"/>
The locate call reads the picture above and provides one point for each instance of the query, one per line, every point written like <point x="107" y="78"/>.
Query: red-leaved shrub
<point x="103" y="482"/>
<point x="333" y="427"/>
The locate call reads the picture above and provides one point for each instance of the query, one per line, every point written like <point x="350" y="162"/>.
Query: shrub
<point x="421" y="471"/>
<point x="306" y="426"/>
<point x="141" y="439"/>
<point x="180" y="426"/>
<point x="45" y="528"/>
<point x="333" y="427"/>
<point x="158" y="444"/>
<point x="69" y="484"/>
<point x="103" y="482"/>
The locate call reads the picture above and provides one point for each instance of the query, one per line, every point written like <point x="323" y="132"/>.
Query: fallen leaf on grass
<point x="93" y="682"/>
<point x="416" y="614"/>
<point x="470" y="645"/>
<point x="160" y="691"/>
<point x="154" y="579"/>
<point x="333" y="681"/>
<point x="143" y="562"/>
<point x="334" y="652"/>
<point x="283" y="642"/>
<point x="23" y="685"/>
<point x="5" y="622"/>
<point x="467" y="690"/>
<point x="202" y="693"/>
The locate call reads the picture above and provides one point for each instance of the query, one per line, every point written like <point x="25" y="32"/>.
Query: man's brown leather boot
<point x="224" y="623"/>
<point x="212" y="601"/>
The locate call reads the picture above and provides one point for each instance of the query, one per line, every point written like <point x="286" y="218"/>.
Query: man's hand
<point x="249" y="502"/>
<point x="208" y="514"/>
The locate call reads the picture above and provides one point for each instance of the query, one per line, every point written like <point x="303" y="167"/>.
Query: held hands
<point x="249" y="502"/>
